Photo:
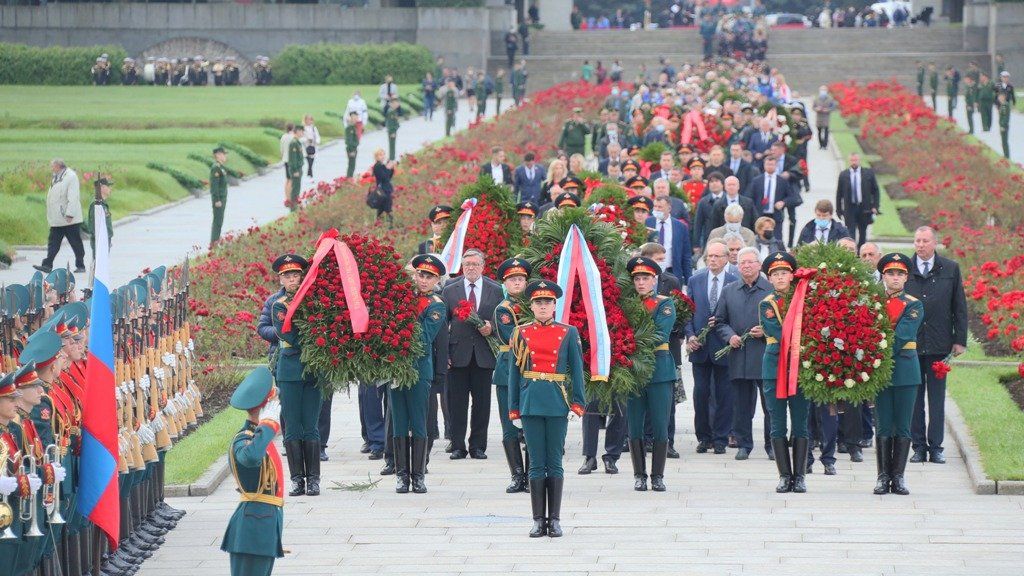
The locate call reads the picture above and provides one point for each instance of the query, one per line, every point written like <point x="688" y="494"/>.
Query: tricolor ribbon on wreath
<point x="348" y="270"/>
<point x="693" y="119"/>
<point x="576" y="262"/>
<point x="789" y="353"/>
<point x="451" y="255"/>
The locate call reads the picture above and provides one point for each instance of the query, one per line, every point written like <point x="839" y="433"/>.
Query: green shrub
<point x="351" y="63"/>
<point x="250" y="156"/>
<point x="187" y="180"/>
<point x="55" y="65"/>
<point x="208" y="162"/>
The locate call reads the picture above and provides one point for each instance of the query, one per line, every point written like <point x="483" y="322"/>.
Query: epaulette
<point x="662" y="298"/>
<point x="437" y="298"/>
<point x="282" y="300"/>
<point x="909" y="297"/>
<point x="769" y="298"/>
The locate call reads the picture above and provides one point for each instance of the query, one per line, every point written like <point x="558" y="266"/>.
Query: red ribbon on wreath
<point x="693" y="119"/>
<point x="348" y="270"/>
<point x="789" y="352"/>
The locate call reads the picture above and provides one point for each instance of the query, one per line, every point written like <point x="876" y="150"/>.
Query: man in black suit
<point x="745" y="171"/>
<point x="823" y="228"/>
<point x="761" y="140"/>
<point x="497" y="169"/>
<point x="667" y="161"/>
<point x="472" y="362"/>
<point x="772" y="195"/>
<point x="788" y="167"/>
<point x="857" y="198"/>
<point x="733" y="196"/>
<point x="528" y="179"/>
<point x="936" y="281"/>
<point x="701" y="226"/>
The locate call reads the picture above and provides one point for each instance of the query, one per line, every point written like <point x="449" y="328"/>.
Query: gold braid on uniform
<point x="519" y="350"/>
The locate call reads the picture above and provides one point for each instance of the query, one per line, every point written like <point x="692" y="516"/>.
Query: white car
<point x="890" y="7"/>
<point x="788" y="19"/>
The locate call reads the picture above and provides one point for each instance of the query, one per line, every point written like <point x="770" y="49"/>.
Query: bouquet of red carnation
<point x="494" y="225"/>
<point x="466" y="312"/>
<point x="684" y="308"/>
<point x="942" y="367"/>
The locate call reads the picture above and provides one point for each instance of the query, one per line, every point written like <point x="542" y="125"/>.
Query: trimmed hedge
<point x="450" y="3"/>
<point x="56" y="65"/>
<point x="352" y="64"/>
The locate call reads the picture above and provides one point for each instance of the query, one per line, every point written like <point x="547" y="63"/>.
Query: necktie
<point x="768" y="194"/>
<point x="856" y="186"/>
<point x="714" y="293"/>
<point x="472" y="294"/>
<point x="927" y="267"/>
<point x="661" y="233"/>
<point x="821" y="234"/>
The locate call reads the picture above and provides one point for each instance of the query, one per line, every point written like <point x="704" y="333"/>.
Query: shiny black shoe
<point x="856" y="453"/>
<point x="365" y="448"/>
<point x="639" y="458"/>
<point x="375" y="455"/>
<point x="841" y="448"/>
<point x="919" y="456"/>
<point x="937" y="457"/>
<point x="703" y="446"/>
<point x="589" y="465"/>
<point x="389" y="468"/>
<point x="458" y="454"/>
<point x="610" y="466"/>
<point x="672" y="452"/>
<point x="830" y="469"/>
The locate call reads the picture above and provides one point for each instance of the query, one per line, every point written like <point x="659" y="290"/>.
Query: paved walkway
<point x="168" y="235"/>
<point x="992" y="136"/>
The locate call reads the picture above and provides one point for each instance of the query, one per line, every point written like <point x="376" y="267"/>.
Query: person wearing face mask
<point x="734" y="216"/>
<point x="823" y="228"/>
<point x="610" y="141"/>
<point x="674" y="236"/>
<point x="655" y="134"/>
<point x="733" y="197"/>
<point x="766" y="242"/>
<point x="824" y="105"/>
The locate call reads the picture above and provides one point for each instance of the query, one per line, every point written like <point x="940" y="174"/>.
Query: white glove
<point x="117" y="393"/>
<point x="191" y="345"/>
<point x="178" y="347"/>
<point x="168" y="360"/>
<point x="518" y="423"/>
<point x="144" y="381"/>
<point x="146" y="435"/>
<point x="8" y="484"/>
<point x="271" y="411"/>
<point x="131" y="386"/>
<point x="157" y="423"/>
<point x="34" y="483"/>
<point x="59" y="473"/>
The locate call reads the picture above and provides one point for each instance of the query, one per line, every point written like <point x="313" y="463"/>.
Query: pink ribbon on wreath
<point x="792" y="327"/>
<point x="348" y="270"/>
<point x="693" y="118"/>
<point x="645" y="168"/>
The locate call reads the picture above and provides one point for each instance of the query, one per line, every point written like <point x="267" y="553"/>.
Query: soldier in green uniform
<point x="970" y="100"/>
<point x="218" y="191"/>
<point x="391" y="116"/>
<point x="514" y="273"/>
<point x="952" y="78"/>
<point x="1003" y="104"/>
<point x="499" y="90"/>
<point x="408" y="407"/>
<point x="451" y="104"/>
<point x="986" y="99"/>
<point x="574" y="134"/>
<point x="518" y="80"/>
<point x="920" y="78"/>
<point x="253" y="535"/>
<point x="933" y="84"/>
<point x="296" y="158"/>
<point x="894" y="405"/>
<point x="779" y="267"/>
<point x="655" y="400"/>
<point x="300" y="395"/>
<point x="102" y="187"/>
<point x="545" y="387"/>
<point x="351" y="142"/>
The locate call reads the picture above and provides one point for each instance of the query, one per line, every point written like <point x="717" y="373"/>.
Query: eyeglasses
<point x="471" y="265"/>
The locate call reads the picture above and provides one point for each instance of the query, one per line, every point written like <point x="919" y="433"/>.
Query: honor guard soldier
<point x="642" y="207"/>
<point x="179" y="72"/>
<point x="262" y="70"/>
<point x="574" y="134"/>
<point x="986" y="98"/>
<point x="513" y="273"/>
<point x="655" y="400"/>
<point x="408" y="406"/>
<point x="129" y="73"/>
<point x="894" y="405"/>
<point x="300" y="395"/>
<point x="631" y="169"/>
<point x="439" y="217"/>
<point x="567" y="200"/>
<point x="351" y="142"/>
<point x="162" y="73"/>
<point x="16" y="482"/>
<point x="218" y="191"/>
<point x="638" y="185"/>
<point x="527" y="212"/>
<point x="197" y="72"/>
<point x="218" y="72"/>
<point x="545" y="387"/>
<point x="101" y="71"/>
<point x="518" y="81"/>
<point x="571" y="184"/>
<point x="296" y="159"/>
<point x="253" y="535"/>
<point x="779" y="267"/>
<point x="1004" y="107"/>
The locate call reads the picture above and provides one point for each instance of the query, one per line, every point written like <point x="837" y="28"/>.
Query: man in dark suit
<point x="528" y="179"/>
<point x="772" y="195"/>
<point x="735" y="315"/>
<point x="745" y="171"/>
<point x="472" y="362"/>
<point x="674" y="236"/>
<point x="857" y="197"/>
<point x="497" y="169"/>
<point x="733" y="196"/>
<point x="936" y="281"/>
<point x="700" y="226"/>
<point x="760" y="141"/>
<point x="823" y="228"/>
<point x="716" y="162"/>
<point x="710" y="376"/>
<point x="788" y="167"/>
<point x="667" y="161"/>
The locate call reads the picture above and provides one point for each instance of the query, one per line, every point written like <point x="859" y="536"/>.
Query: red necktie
<point x="472" y="294"/>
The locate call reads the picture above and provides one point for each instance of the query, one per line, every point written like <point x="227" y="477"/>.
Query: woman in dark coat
<point x="382" y="174"/>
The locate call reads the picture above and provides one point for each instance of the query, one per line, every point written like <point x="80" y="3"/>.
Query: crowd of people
<point x="185" y="71"/>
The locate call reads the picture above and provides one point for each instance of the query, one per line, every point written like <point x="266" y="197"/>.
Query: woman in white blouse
<point x="311" y="138"/>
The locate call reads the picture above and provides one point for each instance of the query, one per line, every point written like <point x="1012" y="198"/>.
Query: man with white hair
<point x="64" y="215"/>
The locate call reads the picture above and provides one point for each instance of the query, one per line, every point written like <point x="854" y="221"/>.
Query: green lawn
<point x="189" y="458"/>
<point x="996" y="422"/>
<point x="118" y="130"/>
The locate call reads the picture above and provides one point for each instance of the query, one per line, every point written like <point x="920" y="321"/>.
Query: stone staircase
<point x="807" y="57"/>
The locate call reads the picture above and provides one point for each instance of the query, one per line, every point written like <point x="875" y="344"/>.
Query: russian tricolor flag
<point x="97" y="481"/>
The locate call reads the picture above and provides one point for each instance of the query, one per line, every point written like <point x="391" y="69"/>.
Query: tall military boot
<point x="781" y="449"/>
<point x="296" y="467"/>
<point x="658" y="466"/>
<point x="554" y="490"/>
<point x="311" y="455"/>
<point x="401" y="444"/>
<point x="526" y="464"/>
<point x="898" y="466"/>
<point x="515" y="466"/>
<point x="799" y="465"/>
<point x="419" y="465"/>
<point x="537" y="502"/>
<point x="883" y="462"/>
<point x="639" y="458"/>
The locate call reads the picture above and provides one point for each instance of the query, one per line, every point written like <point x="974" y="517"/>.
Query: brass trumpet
<point x="51" y="494"/>
<point x="27" y="513"/>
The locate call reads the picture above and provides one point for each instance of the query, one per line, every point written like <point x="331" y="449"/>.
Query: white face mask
<point x="658" y="214"/>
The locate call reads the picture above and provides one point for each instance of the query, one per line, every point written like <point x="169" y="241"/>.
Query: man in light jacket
<point x="64" y="215"/>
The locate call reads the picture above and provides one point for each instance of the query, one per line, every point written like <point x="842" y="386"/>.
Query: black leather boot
<point x="658" y="466"/>
<point x="898" y="466"/>
<point x="296" y="467"/>
<point x="639" y="458"/>
<point x="537" y="502"/>
<point x="799" y="465"/>
<point x="883" y="462"/>
<point x="402" y="464"/>
<point x="311" y="455"/>
<point x="514" y="457"/>
<point x="554" y="490"/>
<point x="419" y="465"/>
<point x="781" y="449"/>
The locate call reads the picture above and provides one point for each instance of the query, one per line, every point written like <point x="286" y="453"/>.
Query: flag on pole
<point x="451" y="255"/>
<point x="97" y="481"/>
